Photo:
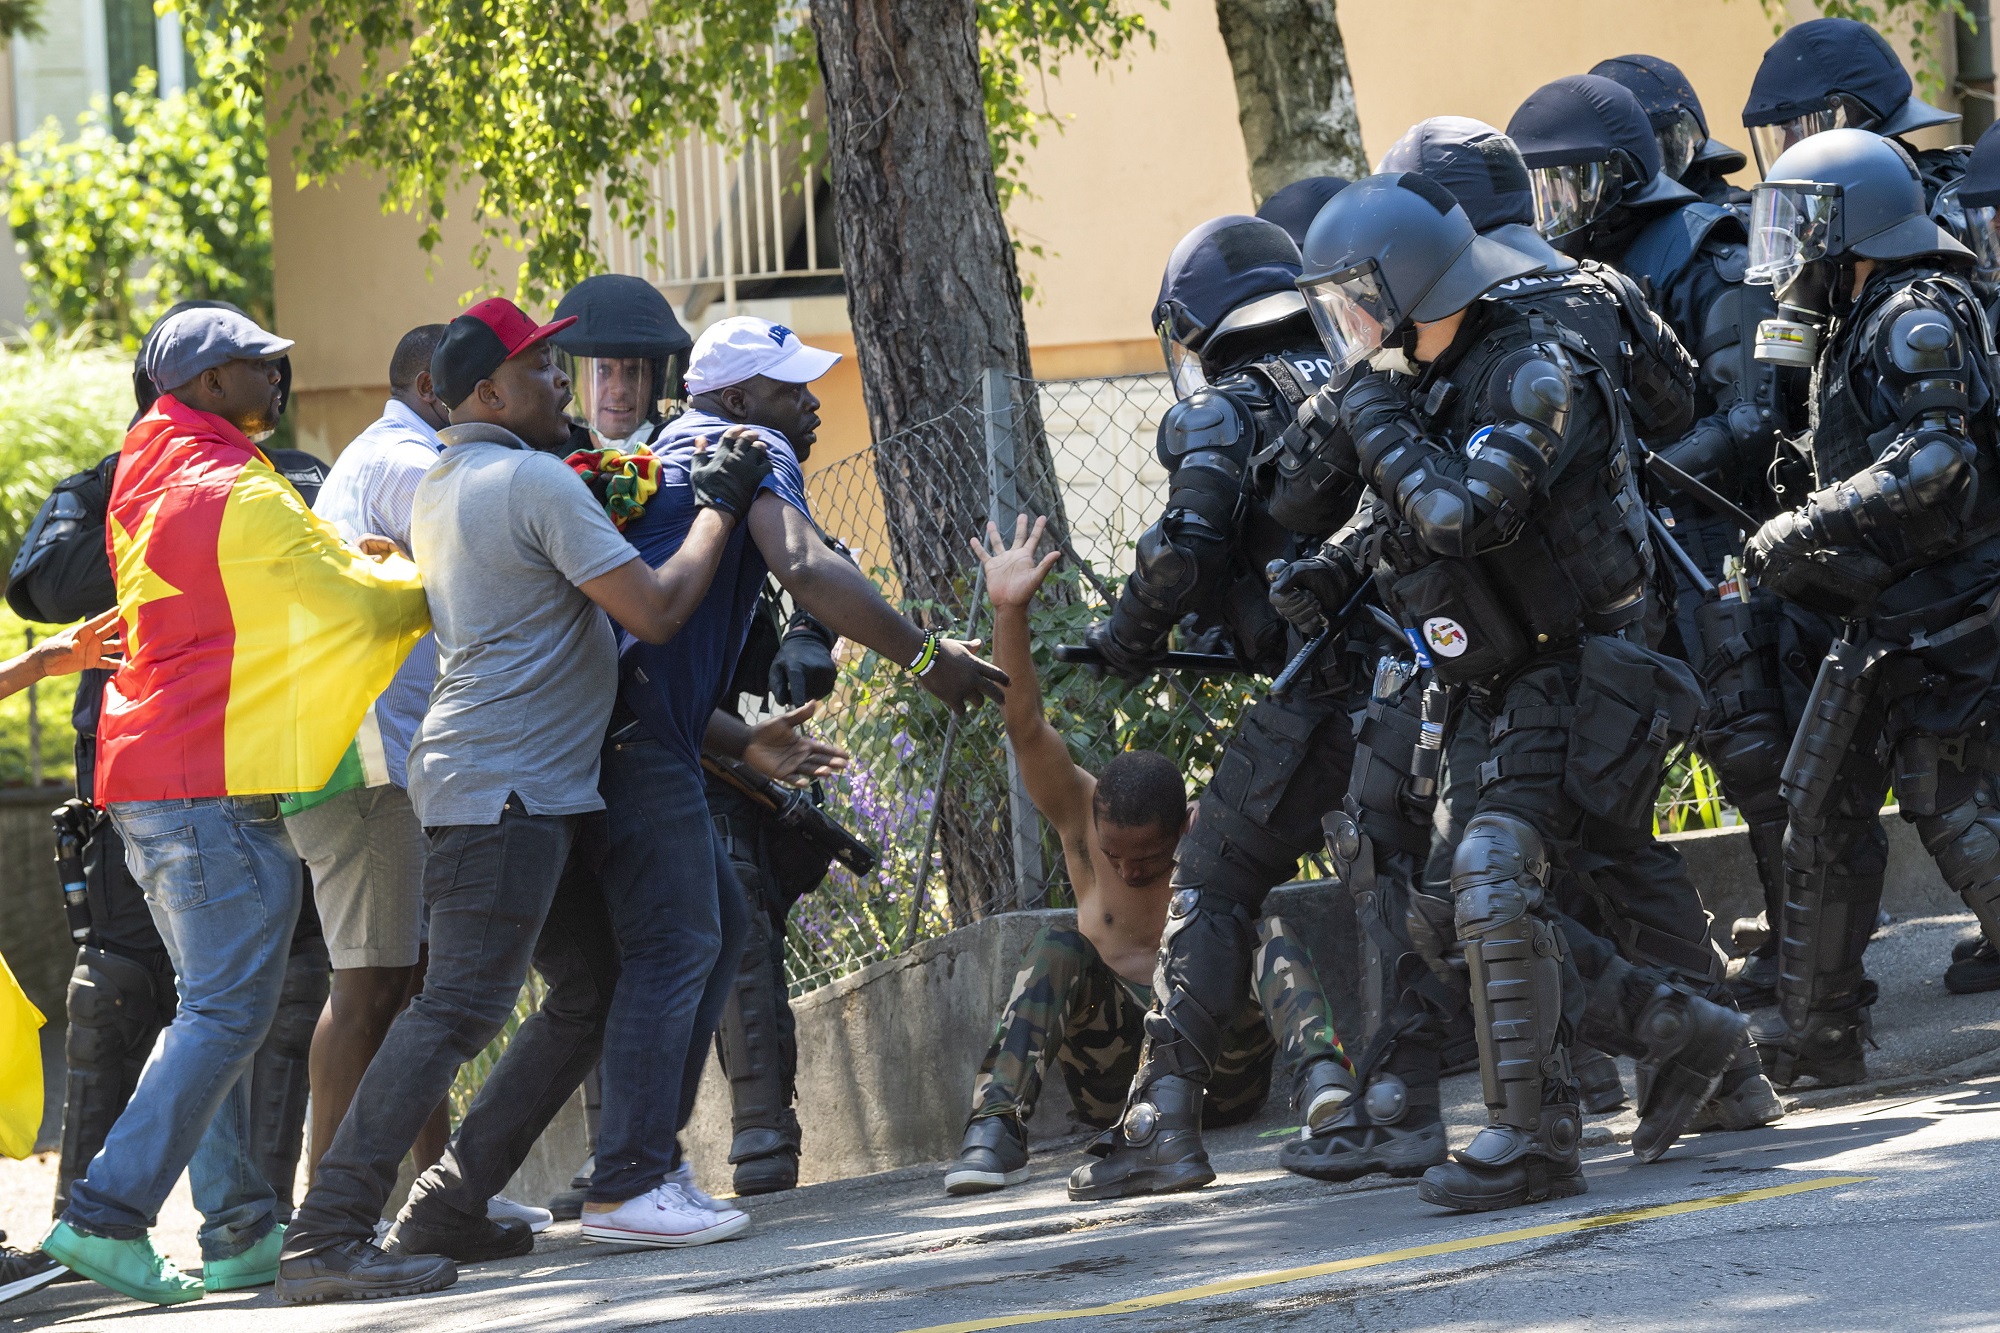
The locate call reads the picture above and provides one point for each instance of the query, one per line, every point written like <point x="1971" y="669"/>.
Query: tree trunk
<point x="934" y="298"/>
<point x="1294" y="98"/>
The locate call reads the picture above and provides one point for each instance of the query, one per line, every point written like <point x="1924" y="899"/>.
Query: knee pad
<point x="1497" y="874"/>
<point x="1965" y="843"/>
<point x="113" y="1008"/>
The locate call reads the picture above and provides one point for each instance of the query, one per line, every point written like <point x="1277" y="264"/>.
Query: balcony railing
<point x="729" y="222"/>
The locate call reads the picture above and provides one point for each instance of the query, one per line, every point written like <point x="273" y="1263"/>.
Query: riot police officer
<point x="1827" y="74"/>
<point x="1415" y="1002"/>
<point x="1680" y="127"/>
<point x="1241" y="351"/>
<point x="1901" y="538"/>
<point x="1602" y="194"/>
<point x="631" y="353"/>
<point x="792" y="663"/>
<point x="122" y="992"/>
<point x="1510" y="540"/>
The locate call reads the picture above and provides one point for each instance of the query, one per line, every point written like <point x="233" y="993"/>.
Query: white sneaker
<point x="666" y="1217"/>
<point x="683" y="1176"/>
<point x="500" y="1208"/>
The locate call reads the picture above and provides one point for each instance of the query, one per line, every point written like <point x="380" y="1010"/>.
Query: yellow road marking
<point x="1283" y="1276"/>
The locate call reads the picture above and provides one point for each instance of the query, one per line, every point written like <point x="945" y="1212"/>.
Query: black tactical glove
<point x="1785" y="557"/>
<point x="1307" y="591"/>
<point x="803" y="669"/>
<point x="1120" y="658"/>
<point x="727" y="476"/>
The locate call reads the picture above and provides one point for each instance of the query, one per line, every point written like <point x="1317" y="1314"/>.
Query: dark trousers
<point x="501" y="897"/>
<point x="681" y="923"/>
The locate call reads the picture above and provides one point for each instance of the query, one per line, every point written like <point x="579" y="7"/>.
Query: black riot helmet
<point x="1296" y="205"/>
<point x="1680" y="127"/>
<point x="1978" y="194"/>
<point x="1483" y="170"/>
<point x="621" y="317"/>
<point x="1229" y="284"/>
<point x="1590" y="148"/>
<point x="1829" y="74"/>
<point x="145" y="393"/>
<point x="1389" y="252"/>
<point x="1835" y="198"/>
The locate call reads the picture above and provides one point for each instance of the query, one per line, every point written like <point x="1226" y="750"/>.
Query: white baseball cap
<point x="742" y="347"/>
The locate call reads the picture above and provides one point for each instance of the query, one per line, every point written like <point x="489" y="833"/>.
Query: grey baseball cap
<point x="203" y="338"/>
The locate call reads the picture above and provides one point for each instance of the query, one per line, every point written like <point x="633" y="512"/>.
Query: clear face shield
<point x="1982" y="236"/>
<point x="1768" y="142"/>
<point x="1679" y="142"/>
<point x="1183" y="362"/>
<point x="1570" y="197"/>
<point x="1354" y="313"/>
<point x="1791" y="225"/>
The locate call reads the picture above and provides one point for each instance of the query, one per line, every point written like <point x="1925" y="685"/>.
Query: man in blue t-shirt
<point x="675" y="906"/>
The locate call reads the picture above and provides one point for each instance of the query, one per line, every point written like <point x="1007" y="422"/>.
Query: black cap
<point x="618" y="315"/>
<point x="1821" y="57"/>
<point x="1295" y="206"/>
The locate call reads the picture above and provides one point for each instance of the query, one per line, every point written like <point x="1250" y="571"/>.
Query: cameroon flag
<point x="255" y="638"/>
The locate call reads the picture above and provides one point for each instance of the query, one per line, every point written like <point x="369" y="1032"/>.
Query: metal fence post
<point x="1004" y="505"/>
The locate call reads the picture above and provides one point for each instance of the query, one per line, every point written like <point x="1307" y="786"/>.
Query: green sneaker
<point x="129" y="1267"/>
<point x="255" y="1267"/>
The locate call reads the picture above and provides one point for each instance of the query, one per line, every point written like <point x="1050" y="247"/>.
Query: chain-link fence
<point x="937" y="796"/>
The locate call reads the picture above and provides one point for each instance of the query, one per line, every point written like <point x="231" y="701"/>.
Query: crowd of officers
<point x="1553" y="453"/>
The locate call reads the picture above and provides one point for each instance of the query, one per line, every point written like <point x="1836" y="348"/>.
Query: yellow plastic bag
<point x="20" y="1067"/>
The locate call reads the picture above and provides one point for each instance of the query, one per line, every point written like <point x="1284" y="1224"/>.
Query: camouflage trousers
<point x="1069" y="1006"/>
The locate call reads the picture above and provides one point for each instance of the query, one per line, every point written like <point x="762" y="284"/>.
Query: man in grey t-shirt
<point x="520" y="566"/>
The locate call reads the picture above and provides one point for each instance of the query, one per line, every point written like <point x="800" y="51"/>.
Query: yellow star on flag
<point x="138" y="582"/>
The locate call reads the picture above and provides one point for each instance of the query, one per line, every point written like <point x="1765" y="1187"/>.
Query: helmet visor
<point x="1679" y="142"/>
<point x="1353" y="311"/>
<point x="1770" y="141"/>
<point x="1791" y="224"/>
<point x="1183" y="363"/>
<point x="1570" y="197"/>
<point x="1982" y="236"/>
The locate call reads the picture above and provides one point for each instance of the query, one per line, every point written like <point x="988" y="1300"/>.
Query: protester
<point x="254" y="640"/>
<point x="680" y="917"/>
<point x="1082" y="992"/>
<point x="503" y="776"/>
<point x="358" y="833"/>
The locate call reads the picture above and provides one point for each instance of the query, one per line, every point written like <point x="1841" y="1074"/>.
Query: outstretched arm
<point x="85" y="647"/>
<point x="1059" y="789"/>
<point x="840" y="597"/>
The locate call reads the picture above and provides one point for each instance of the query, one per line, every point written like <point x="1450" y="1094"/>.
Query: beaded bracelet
<point x="926" y="657"/>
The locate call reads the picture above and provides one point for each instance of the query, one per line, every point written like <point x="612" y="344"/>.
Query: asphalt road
<point x="1878" y="1213"/>
<point x="1872" y="1216"/>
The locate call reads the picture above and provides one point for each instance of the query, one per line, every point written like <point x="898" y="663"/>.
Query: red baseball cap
<point x="479" y="342"/>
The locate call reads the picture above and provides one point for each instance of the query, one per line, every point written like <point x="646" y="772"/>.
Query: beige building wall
<point x="1144" y="153"/>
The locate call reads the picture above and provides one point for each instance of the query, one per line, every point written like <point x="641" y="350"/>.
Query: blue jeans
<point x="223" y="883"/>
<point x="681" y="923"/>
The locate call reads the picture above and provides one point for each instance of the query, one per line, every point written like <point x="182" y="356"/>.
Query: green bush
<point x="62" y="408"/>
<point x="116" y="228"/>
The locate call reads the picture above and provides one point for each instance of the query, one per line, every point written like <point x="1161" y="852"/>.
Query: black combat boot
<point x="1601" y="1089"/>
<point x="1505" y="1167"/>
<point x="1391" y="1128"/>
<point x="1154" y="1149"/>
<point x="993" y="1155"/>
<point x="1975" y="967"/>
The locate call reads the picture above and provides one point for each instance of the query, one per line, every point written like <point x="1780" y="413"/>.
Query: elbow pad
<point x="1915" y="499"/>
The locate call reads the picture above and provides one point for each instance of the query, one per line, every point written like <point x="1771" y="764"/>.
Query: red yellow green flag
<point x="255" y="638"/>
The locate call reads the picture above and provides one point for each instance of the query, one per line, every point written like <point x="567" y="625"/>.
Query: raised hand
<point x="1013" y="574"/>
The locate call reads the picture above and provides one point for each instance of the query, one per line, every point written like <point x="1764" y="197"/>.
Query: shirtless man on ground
<point x="1082" y="991"/>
